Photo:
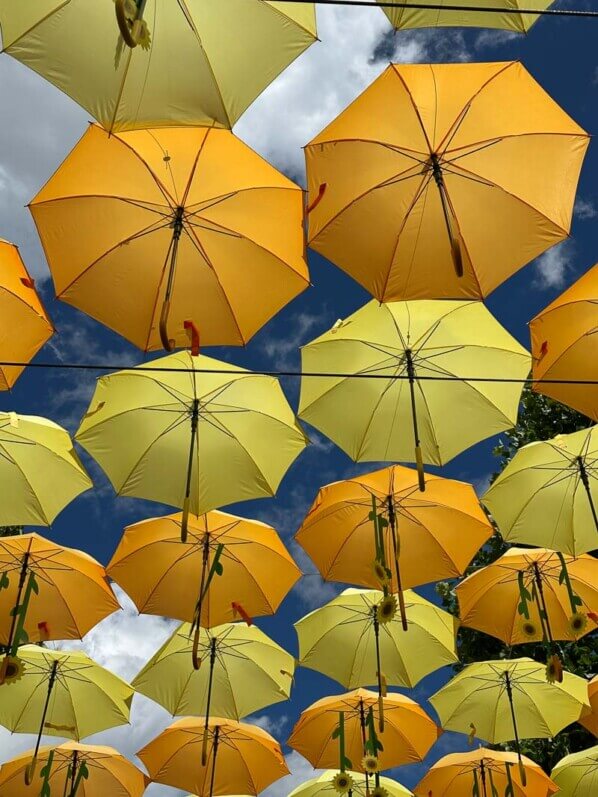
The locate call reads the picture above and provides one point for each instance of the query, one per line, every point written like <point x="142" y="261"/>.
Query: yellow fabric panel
<point x="407" y="17"/>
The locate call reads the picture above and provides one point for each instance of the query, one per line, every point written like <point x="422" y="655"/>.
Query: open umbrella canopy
<point x="415" y="390"/>
<point x="157" y="63"/>
<point x="442" y="180"/>
<point x="564" y="345"/>
<point x="488" y="697"/>
<point x="40" y="471"/>
<point x="147" y="230"/>
<point x="486" y="773"/>
<point x="576" y="775"/>
<point x="590" y="721"/>
<point x="242" y="759"/>
<point x="226" y="563"/>
<point x="470" y="14"/>
<point x="90" y="770"/>
<point x="547" y="496"/>
<point x="48" y="591"/>
<point x="240" y="671"/>
<point x="527" y="595"/>
<point x="322" y="786"/>
<point x="24" y="324"/>
<point x="194" y="440"/>
<point x="426" y="536"/>
<point x="408" y="735"/>
<point x="357" y="639"/>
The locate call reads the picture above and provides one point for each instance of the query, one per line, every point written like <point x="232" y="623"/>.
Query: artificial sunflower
<point x="381" y="573"/>
<point x="578" y="623"/>
<point x="379" y="791"/>
<point x="554" y="670"/>
<point x="12" y="670"/>
<point x="369" y="764"/>
<point x="342" y="783"/>
<point x="529" y="629"/>
<point x="387" y="608"/>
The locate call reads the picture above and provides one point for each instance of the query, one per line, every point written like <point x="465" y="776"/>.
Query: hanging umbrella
<point x="415" y="394"/>
<point x="529" y="595"/>
<point x="229" y="671"/>
<point x="357" y="639"/>
<point x="228" y="566"/>
<point x="564" y="344"/>
<point x="442" y="180"/>
<point x="40" y="471"/>
<point x="59" y="693"/>
<point x="48" y="592"/>
<point x="153" y="230"/>
<point x="158" y="63"/>
<point x="424" y="537"/>
<point x="471" y="14"/>
<point x="24" y="324"/>
<point x="76" y="770"/>
<point x="548" y="494"/>
<point x="590" y="721"/>
<point x="193" y="440"/>
<point x="485" y="773"/>
<point x="576" y="775"/>
<point x="409" y="733"/>
<point x="242" y="759"/>
<point x="506" y="700"/>
<point x="323" y="786"/>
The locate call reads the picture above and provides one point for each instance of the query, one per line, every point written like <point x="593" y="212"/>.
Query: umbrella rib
<point x="35" y="25"/>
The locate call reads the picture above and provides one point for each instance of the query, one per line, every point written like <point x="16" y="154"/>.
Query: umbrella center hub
<point x="178" y="221"/>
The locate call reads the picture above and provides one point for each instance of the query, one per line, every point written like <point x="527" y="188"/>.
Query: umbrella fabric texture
<point x="153" y="230"/>
<point x="40" y="471"/>
<point x="242" y="759"/>
<point x="547" y="496"/>
<point x="158" y="63"/>
<point x="564" y="345"/>
<point x="590" y="721"/>
<point x="193" y="440"/>
<point x="470" y="15"/>
<point x="527" y="595"/>
<point x="442" y="180"/>
<point x="457" y="774"/>
<point x="322" y="786"/>
<point x="24" y="323"/>
<point x="409" y="733"/>
<point x="167" y="577"/>
<point x="576" y="775"/>
<point x="48" y="591"/>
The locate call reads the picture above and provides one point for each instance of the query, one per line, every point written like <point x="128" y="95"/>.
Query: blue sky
<point x="38" y="128"/>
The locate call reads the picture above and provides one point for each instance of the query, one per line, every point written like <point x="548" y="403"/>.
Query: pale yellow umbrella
<point x="576" y="774"/>
<point x="324" y="785"/>
<point x="501" y="14"/>
<point x="158" y="63"/>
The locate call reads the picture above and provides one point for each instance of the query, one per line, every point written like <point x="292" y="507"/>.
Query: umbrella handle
<point x="204" y="748"/>
<point x="30" y="771"/>
<point x="421" y="476"/>
<point x="167" y="342"/>
<point x="130" y="34"/>
<point x="195" y="649"/>
<point x="185" y="519"/>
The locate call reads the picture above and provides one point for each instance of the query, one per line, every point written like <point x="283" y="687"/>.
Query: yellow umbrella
<point x="24" y="324"/>
<point x="576" y="775"/>
<point x="442" y="180"/>
<point x="58" y="693"/>
<point x="564" y="344"/>
<point x="505" y="700"/>
<point x="409" y="733"/>
<point x="83" y="770"/>
<point x="381" y="518"/>
<point x="196" y="61"/>
<point x="179" y="226"/>
<point x="323" y="786"/>
<point x="242" y="759"/>
<point x="548" y="494"/>
<point x="470" y="14"/>
<point x="485" y="773"/>
<point x="357" y="639"/>
<point x="529" y="595"/>
<point x="40" y="471"/>
<point x="414" y="395"/>
<point x="193" y="440"/>
<point x="590" y="721"/>
<point x="47" y="592"/>
<point x="232" y="671"/>
<point x="228" y="567"/>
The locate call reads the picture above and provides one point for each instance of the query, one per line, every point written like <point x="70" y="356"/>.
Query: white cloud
<point x="553" y="266"/>
<point x="300" y="769"/>
<point x="585" y="209"/>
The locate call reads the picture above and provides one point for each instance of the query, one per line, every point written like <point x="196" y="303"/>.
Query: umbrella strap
<point x="373" y="744"/>
<point x="419" y="460"/>
<point x="574" y="600"/>
<point x="510" y="790"/>
<point x="583" y="473"/>
<point x="396" y="547"/>
<point x="30" y="768"/>
<point x="339" y="733"/>
<point x="214" y="754"/>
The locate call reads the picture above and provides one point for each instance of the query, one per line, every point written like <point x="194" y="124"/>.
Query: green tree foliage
<point x="540" y="418"/>
<point x="10" y="531"/>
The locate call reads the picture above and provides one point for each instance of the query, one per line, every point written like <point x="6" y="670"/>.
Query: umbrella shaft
<point x="214" y="754"/>
<point x="512" y="707"/>
<point x="542" y="604"/>
<point x="586" y="483"/>
<point x="392" y="518"/>
<point x="177" y="229"/>
<point x="194" y="425"/>
<point x="51" y="682"/>
<point x="22" y="579"/>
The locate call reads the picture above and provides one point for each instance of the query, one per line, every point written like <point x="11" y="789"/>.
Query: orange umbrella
<point x="565" y="346"/>
<point x="24" y="324"/>
<point x="591" y="720"/>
